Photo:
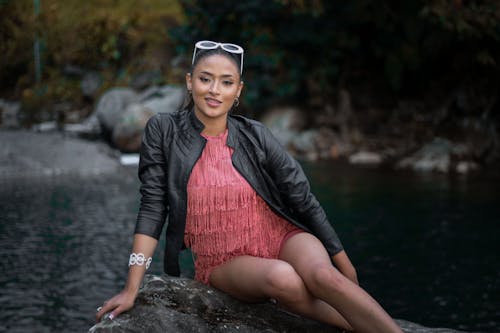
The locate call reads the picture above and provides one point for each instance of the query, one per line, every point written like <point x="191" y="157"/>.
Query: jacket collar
<point x="232" y="129"/>
<point x="231" y="125"/>
<point x="195" y="122"/>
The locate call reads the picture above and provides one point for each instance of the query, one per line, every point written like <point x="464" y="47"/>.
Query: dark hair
<point x="201" y="54"/>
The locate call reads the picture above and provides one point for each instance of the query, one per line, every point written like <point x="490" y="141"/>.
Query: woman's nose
<point x="214" y="88"/>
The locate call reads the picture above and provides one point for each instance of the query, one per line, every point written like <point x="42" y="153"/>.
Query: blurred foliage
<point x="303" y="51"/>
<point x="297" y="51"/>
<point x="116" y="38"/>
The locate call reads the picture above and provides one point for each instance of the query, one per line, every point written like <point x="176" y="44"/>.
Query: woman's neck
<point x="213" y="126"/>
<point x="215" y="129"/>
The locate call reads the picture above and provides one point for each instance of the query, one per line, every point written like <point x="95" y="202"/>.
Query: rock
<point x="112" y="104"/>
<point x="284" y="123"/>
<point x="127" y="133"/>
<point x="287" y="125"/>
<point x="89" y="128"/>
<point x="9" y="112"/>
<point x="313" y="144"/>
<point x="46" y="126"/>
<point x="168" y="304"/>
<point x="91" y="82"/>
<point x="163" y="98"/>
<point x="27" y="154"/>
<point x="326" y="141"/>
<point x="441" y="155"/>
<point x="464" y="167"/>
<point x="144" y="79"/>
<point x="129" y="159"/>
<point x="365" y="158"/>
<point x="434" y="156"/>
<point x="121" y="114"/>
<point x="303" y="145"/>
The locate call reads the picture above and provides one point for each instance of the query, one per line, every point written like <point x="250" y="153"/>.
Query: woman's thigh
<point x="252" y="278"/>
<point x="305" y="253"/>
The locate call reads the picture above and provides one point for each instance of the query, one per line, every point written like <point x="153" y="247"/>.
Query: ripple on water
<point x="65" y="243"/>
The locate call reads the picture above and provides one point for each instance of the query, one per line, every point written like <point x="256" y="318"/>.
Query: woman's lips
<point x="213" y="102"/>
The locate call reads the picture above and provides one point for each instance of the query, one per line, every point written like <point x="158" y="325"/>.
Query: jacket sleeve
<point x="152" y="174"/>
<point x="296" y="192"/>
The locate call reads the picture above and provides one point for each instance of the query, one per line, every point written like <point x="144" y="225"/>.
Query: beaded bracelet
<point x="139" y="259"/>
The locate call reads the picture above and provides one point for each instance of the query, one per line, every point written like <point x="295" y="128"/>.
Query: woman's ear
<point x="240" y="88"/>
<point x="189" y="85"/>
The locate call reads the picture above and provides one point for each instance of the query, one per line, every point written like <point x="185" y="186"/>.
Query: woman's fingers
<point x="117" y="311"/>
<point x="116" y="305"/>
<point x="106" y="307"/>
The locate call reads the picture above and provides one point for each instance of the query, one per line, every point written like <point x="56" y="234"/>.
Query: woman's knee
<point x="283" y="282"/>
<point x="325" y="277"/>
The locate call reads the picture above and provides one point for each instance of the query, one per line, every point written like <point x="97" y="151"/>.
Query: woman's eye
<point x="204" y="79"/>
<point x="227" y="83"/>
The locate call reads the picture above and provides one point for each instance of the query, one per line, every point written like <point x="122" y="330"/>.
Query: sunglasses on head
<point x="228" y="47"/>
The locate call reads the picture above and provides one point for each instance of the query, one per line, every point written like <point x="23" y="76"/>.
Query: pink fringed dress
<point x="225" y="216"/>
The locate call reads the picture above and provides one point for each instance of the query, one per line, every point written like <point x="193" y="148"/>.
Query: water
<point x="425" y="247"/>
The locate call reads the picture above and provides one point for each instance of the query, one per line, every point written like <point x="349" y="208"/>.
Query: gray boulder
<point x="440" y="155"/>
<point x="112" y="104"/>
<point x="121" y="114"/>
<point x="31" y="154"/>
<point x="285" y="123"/>
<point x="127" y="132"/>
<point x="366" y="158"/>
<point x="163" y="98"/>
<point x="168" y="304"/>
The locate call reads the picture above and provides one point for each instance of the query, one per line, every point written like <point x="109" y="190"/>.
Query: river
<point x="425" y="245"/>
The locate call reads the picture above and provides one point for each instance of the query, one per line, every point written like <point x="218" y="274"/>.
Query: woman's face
<point x="214" y="83"/>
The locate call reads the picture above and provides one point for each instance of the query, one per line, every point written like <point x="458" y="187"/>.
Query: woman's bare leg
<point x="311" y="261"/>
<point x="252" y="279"/>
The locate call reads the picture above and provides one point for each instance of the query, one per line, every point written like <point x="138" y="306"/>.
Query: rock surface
<point x="439" y="155"/>
<point x="122" y="113"/>
<point x="168" y="304"/>
<point x="26" y="153"/>
<point x="127" y="133"/>
<point x="112" y="104"/>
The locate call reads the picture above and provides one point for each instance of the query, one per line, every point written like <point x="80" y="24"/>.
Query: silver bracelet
<point x="139" y="259"/>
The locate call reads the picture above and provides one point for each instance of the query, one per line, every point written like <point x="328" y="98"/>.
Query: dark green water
<point x="425" y="246"/>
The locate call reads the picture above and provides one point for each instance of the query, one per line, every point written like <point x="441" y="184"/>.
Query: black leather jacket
<point x="171" y="146"/>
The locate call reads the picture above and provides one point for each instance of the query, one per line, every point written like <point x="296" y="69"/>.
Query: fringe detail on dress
<point x="225" y="216"/>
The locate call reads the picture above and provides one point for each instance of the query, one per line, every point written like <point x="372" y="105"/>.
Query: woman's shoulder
<point x="166" y="120"/>
<point x="255" y="129"/>
<point x="249" y="124"/>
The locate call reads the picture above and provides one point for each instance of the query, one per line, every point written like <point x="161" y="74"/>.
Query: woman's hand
<point x="125" y="299"/>
<point x="351" y="275"/>
<point x="119" y="303"/>
<point x="344" y="265"/>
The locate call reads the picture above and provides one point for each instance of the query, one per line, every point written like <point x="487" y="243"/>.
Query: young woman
<point x="233" y="195"/>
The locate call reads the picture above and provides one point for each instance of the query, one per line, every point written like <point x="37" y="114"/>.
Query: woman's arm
<point x="344" y="265"/>
<point x="295" y="190"/>
<point x="124" y="300"/>
<point x="151" y="216"/>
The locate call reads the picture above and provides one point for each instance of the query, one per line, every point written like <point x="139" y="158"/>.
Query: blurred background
<point x="391" y="107"/>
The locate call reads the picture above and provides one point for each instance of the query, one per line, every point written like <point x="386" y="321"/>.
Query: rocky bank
<point x="28" y="153"/>
<point x="168" y="304"/>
